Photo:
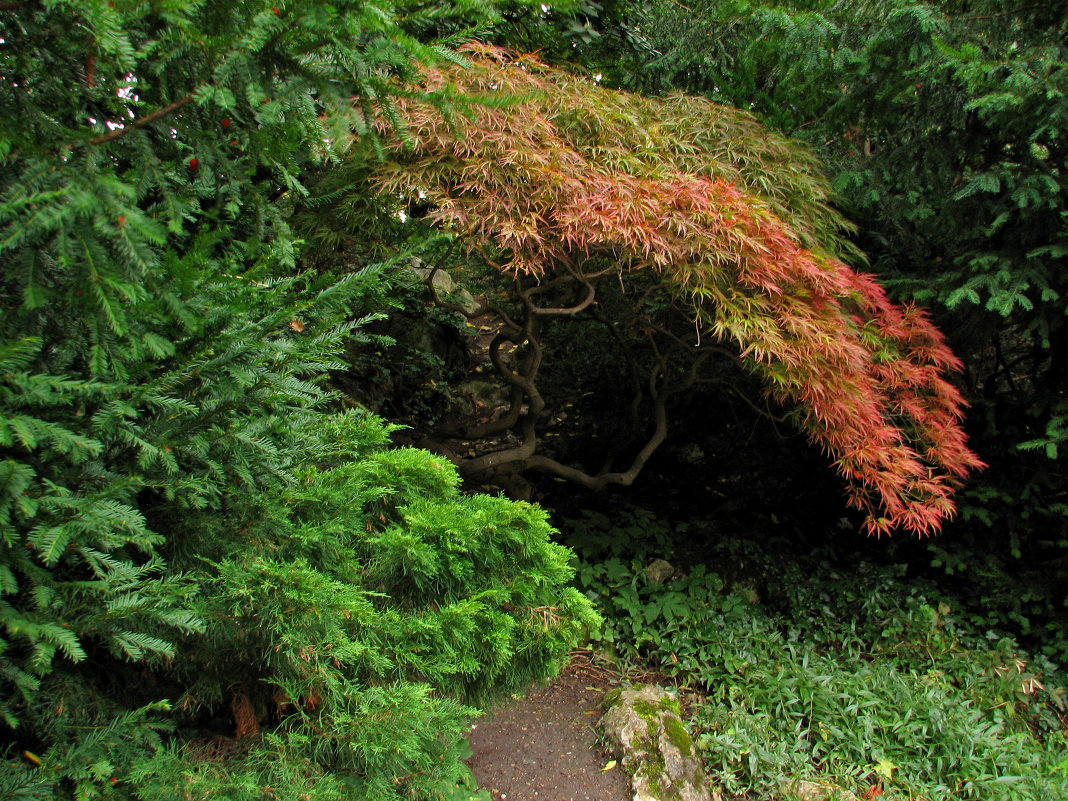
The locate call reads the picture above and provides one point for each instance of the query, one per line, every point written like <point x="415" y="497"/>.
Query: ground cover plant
<point x="858" y="679"/>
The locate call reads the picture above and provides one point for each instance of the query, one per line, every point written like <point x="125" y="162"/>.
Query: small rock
<point x="644" y="727"/>
<point x="659" y="572"/>
<point x="445" y="287"/>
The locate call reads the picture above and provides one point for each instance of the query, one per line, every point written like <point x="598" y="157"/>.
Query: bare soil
<point x="544" y="746"/>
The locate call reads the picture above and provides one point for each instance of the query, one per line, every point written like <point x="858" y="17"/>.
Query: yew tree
<point x="720" y="236"/>
<point x="212" y="583"/>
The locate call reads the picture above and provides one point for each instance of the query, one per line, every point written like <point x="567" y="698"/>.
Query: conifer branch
<point x="158" y="114"/>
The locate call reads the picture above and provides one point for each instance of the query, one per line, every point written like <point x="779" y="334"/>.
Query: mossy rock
<point x="645" y="727"/>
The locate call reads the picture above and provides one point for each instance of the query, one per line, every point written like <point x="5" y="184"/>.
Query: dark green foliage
<point x="449" y="586"/>
<point x="194" y="550"/>
<point x="857" y="678"/>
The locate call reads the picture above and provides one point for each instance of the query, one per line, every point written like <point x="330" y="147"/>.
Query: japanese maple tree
<point x="560" y="182"/>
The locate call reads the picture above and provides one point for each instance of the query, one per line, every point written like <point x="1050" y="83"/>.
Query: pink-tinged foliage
<point x="555" y="172"/>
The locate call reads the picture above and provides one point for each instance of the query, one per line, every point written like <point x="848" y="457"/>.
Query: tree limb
<point x="523" y="452"/>
<point x="625" y="478"/>
<point x="158" y="114"/>
<point x="561" y="311"/>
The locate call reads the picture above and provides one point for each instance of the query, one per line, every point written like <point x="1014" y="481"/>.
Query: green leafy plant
<point x="356" y="615"/>
<point x="857" y="679"/>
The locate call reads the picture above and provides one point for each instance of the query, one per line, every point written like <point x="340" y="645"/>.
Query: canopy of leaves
<point x="571" y="176"/>
<point x="943" y="126"/>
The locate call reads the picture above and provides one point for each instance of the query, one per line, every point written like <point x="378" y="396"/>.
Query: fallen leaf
<point x="608" y="765"/>
<point x="884" y="767"/>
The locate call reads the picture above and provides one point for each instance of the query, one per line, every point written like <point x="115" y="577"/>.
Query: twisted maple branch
<point x="625" y="478"/>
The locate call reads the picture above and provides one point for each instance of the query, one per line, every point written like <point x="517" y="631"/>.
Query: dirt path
<point x="544" y="747"/>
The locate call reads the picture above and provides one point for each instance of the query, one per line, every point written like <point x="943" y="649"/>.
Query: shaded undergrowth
<point x="863" y="678"/>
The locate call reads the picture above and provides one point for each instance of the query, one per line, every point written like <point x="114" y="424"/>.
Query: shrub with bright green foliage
<point x="857" y="680"/>
<point x="353" y="613"/>
<point x="341" y="620"/>
<point x="208" y="579"/>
